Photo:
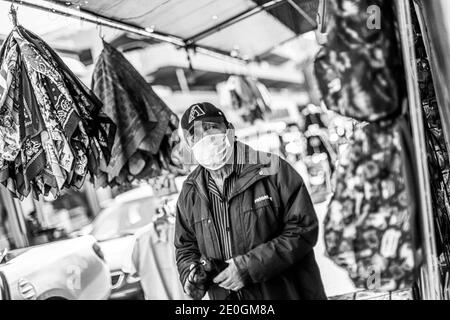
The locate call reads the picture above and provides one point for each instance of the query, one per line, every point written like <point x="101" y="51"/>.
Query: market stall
<point x="374" y="75"/>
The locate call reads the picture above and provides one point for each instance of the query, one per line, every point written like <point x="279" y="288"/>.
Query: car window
<point x="123" y="219"/>
<point x="106" y="225"/>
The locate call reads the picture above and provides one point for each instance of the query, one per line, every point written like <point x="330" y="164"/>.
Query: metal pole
<point x="302" y="13"/>
<point x="430" y="274"/>
<point x="15" y="218"/>
<point x="258" y="57"/>
<point x="87" y="16"/>
<point x="182" y="81"/>
<point x="435" y="33"/>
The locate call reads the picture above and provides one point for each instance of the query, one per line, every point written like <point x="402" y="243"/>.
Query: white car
<point x="115" y="228"/>
<point x="72" y="269"/>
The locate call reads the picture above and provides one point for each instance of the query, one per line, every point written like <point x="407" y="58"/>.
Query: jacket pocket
<point x="261" y="223"/>
<point x="202" y="227"/>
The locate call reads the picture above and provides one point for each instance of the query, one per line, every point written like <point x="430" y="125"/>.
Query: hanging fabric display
<point x="248" y="97"/>
<point x="52" y="133"/>
<point x="153" y="261"/>
<point x="359" y="70"/>
<point x="370" y="223"/>
<point x="142" y="147"/>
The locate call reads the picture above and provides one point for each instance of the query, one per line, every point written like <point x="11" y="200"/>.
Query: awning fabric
<point x="185" y="19"/>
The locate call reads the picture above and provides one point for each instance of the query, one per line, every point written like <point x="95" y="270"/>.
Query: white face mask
<point x="213" y="151"/>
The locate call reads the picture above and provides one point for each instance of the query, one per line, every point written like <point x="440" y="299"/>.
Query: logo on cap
<point x="196" y="112"/>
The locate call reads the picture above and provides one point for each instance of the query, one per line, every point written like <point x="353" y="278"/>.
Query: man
<point x="248" y="209"/>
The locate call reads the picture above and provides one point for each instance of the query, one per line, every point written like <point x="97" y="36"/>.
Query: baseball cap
<point x="204" y="112"/>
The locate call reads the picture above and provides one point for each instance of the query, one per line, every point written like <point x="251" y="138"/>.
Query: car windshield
<point x="124" y="218"/>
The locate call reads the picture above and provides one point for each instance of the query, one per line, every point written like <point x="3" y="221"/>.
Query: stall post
<point x="15" y="217"/>
<point x="430" y="278"/>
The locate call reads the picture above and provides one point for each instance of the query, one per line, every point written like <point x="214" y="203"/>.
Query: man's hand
<point x="230" y="278"/>
<point x="194" y="285"/>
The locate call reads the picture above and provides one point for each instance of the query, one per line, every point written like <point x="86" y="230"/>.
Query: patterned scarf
<point x="52" y="133"/>
<point x="144" y="122"/>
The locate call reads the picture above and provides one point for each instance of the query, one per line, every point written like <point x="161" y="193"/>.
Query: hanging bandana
<point x="145" y="124"/>
<point x="51" y="130"/>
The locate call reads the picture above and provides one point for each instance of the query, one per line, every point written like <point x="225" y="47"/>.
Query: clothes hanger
<point x="13" y="14"/>
<point x="101" y="35"/>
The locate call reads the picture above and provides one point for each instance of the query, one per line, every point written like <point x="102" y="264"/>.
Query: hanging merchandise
<point x="249" y="97"/>
<point x="153" y="260"/>
<point x="260" y="93"/>
<point x="359" y="70"/>
<point x="52" y="133"/>
<point x="142" y="147"/>
<point x="265" y="95"/>
<point x="370" y="223"/>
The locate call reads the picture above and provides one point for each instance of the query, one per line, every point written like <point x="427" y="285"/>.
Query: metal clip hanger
<point x="13" y="14"/>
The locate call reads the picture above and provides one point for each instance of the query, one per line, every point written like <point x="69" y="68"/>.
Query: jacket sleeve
<point x="186" y="248"/>
<point x="297" y="238"/>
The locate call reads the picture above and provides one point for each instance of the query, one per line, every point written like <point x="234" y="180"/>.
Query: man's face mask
<point x="213" y="151"/>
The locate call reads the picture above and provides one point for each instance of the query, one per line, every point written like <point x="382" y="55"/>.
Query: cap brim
<point x="215" y="119"/>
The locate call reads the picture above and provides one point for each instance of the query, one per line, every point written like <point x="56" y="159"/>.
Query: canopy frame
<point x="430" y="278"/>
<point x="302" y="13"/>
<point x="189" y="43"/>
<point x="88" y="16"/>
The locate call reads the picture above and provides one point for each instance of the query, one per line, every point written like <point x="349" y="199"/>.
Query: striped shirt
<point x="219" y="203"/>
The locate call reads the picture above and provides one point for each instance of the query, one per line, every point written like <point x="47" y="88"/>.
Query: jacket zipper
<point x="238" y="293"/>
<point x="242" y="189"/>
<point x="230" y="247"/>
<point x="209" y="216"/>
<point x="215" y="229"/>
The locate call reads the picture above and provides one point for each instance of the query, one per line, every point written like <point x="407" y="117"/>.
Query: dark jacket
<point x="274" y="229"/>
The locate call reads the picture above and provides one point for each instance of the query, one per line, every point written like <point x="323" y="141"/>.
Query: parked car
<point x="72" y="269"/>
<point x="115" y="228"/>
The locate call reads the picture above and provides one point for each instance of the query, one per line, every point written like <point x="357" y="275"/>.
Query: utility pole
<point x="430" y="278"/>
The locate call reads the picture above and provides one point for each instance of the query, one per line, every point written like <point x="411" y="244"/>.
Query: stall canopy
<point x="207" y="80"/>
<point x="242" y="29"/>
